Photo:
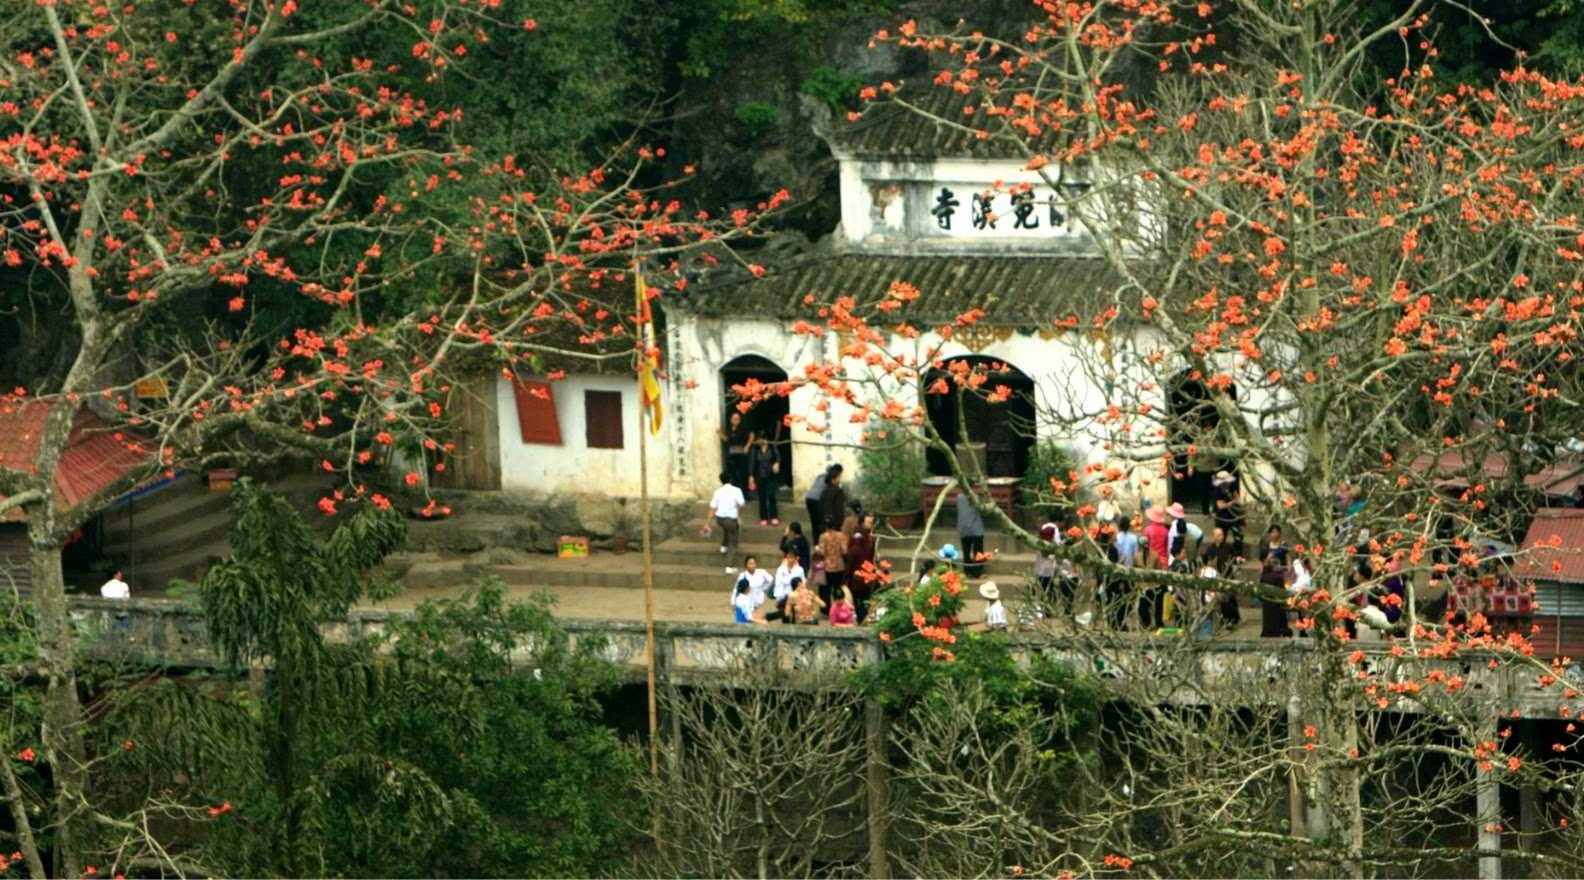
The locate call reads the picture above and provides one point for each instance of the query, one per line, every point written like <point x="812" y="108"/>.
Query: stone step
<point x="184" y="500"/>
<point x="682" y="551"/>
<point x="189" y="563"/>
<point x="213" y="527"/>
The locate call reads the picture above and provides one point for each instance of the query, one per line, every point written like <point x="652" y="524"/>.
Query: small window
<point x="602" y="418"/>
<point x="536" y="412"/>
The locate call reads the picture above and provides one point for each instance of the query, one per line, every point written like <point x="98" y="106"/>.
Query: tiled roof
<point x="1451" y="470"/>
<point x="1563" y="563"/>
<point x="1019" y="291"/>
<point x="890" y="129"/>
<point x="97" y="454"/>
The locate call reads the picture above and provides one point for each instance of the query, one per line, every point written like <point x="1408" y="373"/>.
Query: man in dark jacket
<point x="813" y="500"/>
<point x="833" y="501"/>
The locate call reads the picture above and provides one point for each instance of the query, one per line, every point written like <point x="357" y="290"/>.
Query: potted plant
<point x="1037" y="495"/>
<point x="622" y="524"/>
<point x="891" y="473"/>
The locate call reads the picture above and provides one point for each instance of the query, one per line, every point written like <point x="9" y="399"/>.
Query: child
<point x="742" y="603"/>
<point x="843" y="612"/>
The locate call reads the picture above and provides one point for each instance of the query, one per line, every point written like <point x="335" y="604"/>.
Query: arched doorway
<point x="757" y="389"/>
<point x="1005" y="428"/>
<point x="1194" y="420"/>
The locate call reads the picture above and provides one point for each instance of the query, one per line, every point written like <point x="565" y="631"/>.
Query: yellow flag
<point x="648" y="359"/>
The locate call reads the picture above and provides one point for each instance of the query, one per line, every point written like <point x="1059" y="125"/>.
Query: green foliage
<point x="719" y="31"/>
<point x="838" y="90"/>
<point x="437" y="747"/>
<point x="925" y="649"/>
<point x="891" y="468"/>
<point x="1047" y="461"/>
<point x="757" y="118"/>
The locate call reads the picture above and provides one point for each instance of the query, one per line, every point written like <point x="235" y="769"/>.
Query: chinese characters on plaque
<point x="1034" y="212"/>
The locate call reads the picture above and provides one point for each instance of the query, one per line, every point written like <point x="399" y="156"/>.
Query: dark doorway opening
<point x="1006" y="428"/>
<point x="1194" y="422"/>
<point x="755" y="387"/>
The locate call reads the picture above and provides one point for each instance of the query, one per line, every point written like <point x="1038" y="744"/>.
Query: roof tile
<point x="1019" y="291"/>
<point x="97" y="453"/>
<point x="1562" y="562"/>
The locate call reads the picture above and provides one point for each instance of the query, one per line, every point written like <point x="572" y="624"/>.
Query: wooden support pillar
<point x="1487" y="809"/>
<point x="877" y="781"/>
<point x="1295" y="787"/>
<point x="1528" y="793"/>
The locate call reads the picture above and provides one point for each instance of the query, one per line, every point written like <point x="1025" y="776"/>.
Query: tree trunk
<point x="61" y="735"/>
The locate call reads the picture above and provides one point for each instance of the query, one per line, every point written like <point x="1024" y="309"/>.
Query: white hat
<point x="990" y="591"/>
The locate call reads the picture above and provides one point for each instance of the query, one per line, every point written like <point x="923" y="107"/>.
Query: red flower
<point x="27" y="754"/>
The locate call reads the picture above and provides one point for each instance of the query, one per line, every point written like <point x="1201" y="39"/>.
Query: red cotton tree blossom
<point x="1374" y="286"/>
<point x="249" y="208"/>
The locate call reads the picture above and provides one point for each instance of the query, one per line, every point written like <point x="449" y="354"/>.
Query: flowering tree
<point x="255" y="216"/>
<point x="1361" y="282"/>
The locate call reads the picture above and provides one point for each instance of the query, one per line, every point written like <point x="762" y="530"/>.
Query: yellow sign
<point x="148" y="389"/>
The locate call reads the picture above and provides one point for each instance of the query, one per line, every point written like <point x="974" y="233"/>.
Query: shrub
<point x="757" y="118"/>
<point x="1048" y="461"/>
<point x="891" y="468"/>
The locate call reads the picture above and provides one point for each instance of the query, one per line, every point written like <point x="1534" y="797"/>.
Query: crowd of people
<point x="825" y="572"/>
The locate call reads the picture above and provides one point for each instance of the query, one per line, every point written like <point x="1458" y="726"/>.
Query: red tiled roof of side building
<point x="96" y="456"/>
<point x="1554" y="547"/>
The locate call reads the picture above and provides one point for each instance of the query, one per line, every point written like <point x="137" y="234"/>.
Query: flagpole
<point x="648" y="587"/>
<point x="647" y="532"/>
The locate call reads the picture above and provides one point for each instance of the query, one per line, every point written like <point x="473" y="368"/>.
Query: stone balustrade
<point x="169" y="633"/>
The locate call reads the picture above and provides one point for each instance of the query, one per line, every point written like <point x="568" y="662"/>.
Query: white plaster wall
<point x="572" y="467"/>
<point x="1077" y="375"/>
<point x="819" y="436"/>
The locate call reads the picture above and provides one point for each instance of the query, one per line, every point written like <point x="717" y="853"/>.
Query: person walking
<point x="811" y="501"/>
<point x="833" y="501"/>
<point x="1273" y="573"/>
<point x="970" y="534"/>
<point x="764" y="467"/>
<point x="1221" y="555"/>
<point x="1156" y="554"/>
<point x="860" y="551"/>
<point x="726" y="506"/>
<point x="739" y="441"/>
<point x="833" y="549"/>
<point x="1228" y="507"/>
<point x="1045" y="562"/>
<point x="1126" y="545"/>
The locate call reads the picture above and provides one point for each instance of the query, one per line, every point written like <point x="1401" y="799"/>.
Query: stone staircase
<point x="688" y="562"/>
<point x="181" y="528"/>
<point x="176" y="530"/>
